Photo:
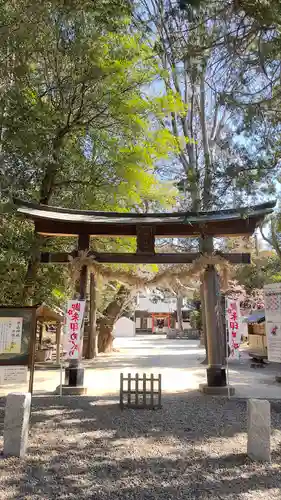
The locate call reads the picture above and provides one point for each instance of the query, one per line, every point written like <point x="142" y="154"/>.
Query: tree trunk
<point x="105" y="338"/>
<point x="92" y="348"/>
<point x="179" y="312"/>
<point x="32" y="269"/>
<point x="46" y="191"/>
<point x="207" y="183"/>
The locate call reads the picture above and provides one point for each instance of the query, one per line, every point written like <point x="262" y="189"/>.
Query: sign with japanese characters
<point x="234" y="326"/>
<point x="10" y="375"/>
<point x="10" y="335"/>
<point x="73" y="328"/>
<point x="272" y="300"/>
<point x="17" y="335"/>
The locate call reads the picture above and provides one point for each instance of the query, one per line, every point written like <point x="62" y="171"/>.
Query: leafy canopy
<point x="75" y="124"/>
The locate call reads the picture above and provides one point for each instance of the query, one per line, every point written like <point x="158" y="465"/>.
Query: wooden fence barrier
<point x="140" y="392"/>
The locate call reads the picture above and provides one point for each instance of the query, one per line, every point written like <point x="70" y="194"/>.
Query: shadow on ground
<point x="88" y="448"/>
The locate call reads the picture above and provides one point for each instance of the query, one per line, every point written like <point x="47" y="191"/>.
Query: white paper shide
<point x="73" y="328"/>
<point x="272" y="300"/>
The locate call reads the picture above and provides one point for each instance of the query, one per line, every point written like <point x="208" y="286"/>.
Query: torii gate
<point x="54" y="221"/>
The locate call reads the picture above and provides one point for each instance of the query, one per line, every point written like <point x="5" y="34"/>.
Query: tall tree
<point x="199" y="46"/>
<point x="73" y="116"/>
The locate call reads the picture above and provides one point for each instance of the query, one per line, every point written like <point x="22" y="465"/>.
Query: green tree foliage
<point x="73" y="108"/>
<point x="74" y="125"/>
<point x="265" y="268"/>
<point x="258" y="44"/>
<point x="271" y="233"/>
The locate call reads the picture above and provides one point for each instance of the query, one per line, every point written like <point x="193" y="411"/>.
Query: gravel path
<point x="194" y="448"/>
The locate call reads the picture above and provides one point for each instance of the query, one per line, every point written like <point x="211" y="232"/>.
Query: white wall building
<point x="124" y="327"/>
<point x="156" y="312"/>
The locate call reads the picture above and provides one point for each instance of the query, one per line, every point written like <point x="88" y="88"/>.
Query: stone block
<point x="225" y="390"/>
<point x="16" y="424"/>
<point x="68" y="390"/>
<point x="259" y="430"/>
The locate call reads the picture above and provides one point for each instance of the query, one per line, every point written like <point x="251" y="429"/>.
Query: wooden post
<point x="83" y="244"/>
<point x="179" y="313"/>
<point x="32" y="349"/>
<point x="74" y="373"/>
<point x="58" y="338"/>
<point x="121" y="391"/>
<point x="137" y="389"/>
<point x="206" y="245"/>
<point x="215" y="372"/>
<point x="40" y="334"/>
<point x="92" y="348"/>
<point x="129" y="389"/>
<point x="151" y="390"/>
<point x="159" y="390"/>
<point x="204" y="327"/>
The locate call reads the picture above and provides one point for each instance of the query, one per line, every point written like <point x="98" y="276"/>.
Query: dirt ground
<point x="179" y="362"/>
<point x="193" y="448"/>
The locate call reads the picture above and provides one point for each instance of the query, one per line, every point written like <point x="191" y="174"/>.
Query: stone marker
<point x="259" y="430"/>
<point x="16" y="424"/>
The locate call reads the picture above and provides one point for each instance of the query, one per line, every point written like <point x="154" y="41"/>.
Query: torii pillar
<point x="216" y="371"/>
<point x="216" y="344"/>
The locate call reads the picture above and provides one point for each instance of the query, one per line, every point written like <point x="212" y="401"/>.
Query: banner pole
<point x="227" y="366"/>
<point x="60" y="377"/>
<point x="32" y="352"/>
<point x="226" y="350"/>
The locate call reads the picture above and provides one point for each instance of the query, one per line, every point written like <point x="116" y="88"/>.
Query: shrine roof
<point x="57" y="220"/>
<point x="256" y="317"/>
<point x="47" y="313"/>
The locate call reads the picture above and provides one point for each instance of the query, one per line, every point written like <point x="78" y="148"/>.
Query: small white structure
<point x="16" y="424"/>
<point x="124" y="327"/>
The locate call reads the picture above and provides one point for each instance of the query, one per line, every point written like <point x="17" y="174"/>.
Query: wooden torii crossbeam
<point x="140" y="258"/>
<point x="55" y="221"/>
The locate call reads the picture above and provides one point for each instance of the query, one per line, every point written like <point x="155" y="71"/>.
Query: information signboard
<point x="13" y="374"/>
<point x="17" y="329"/>
<point x="17" y="344"/>
<point x="10" y="335"/>
<point x="272" y="300"/>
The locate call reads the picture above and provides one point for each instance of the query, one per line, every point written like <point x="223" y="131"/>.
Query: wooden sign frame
<point x="27" y="355"/>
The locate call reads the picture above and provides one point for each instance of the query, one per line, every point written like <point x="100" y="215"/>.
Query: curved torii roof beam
<point x="58" y="221"/>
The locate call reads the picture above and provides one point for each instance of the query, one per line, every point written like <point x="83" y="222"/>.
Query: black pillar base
<point x="216" y="376"/>
<point x="74" y="376"/>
